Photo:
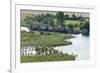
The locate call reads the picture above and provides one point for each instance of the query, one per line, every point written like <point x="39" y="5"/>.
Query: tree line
<point x="57" y="21"/>
<point x="51" y="19"/>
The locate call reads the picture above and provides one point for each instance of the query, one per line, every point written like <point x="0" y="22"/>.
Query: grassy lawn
<point x="46" y="58"/>
<point x="44" y="39"/>
<point x="72" y="22"/>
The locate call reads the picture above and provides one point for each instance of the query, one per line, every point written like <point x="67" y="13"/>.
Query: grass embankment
<point x="44" y="58"/>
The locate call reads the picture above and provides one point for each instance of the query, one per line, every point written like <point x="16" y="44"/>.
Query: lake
<point x="79" y="47"/>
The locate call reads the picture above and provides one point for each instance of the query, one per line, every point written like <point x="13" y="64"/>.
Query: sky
<point x="35" y="12"/>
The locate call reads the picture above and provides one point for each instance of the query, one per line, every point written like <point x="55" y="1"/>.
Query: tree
<point x="51" y="21"/>
<point x="66" y="17"/>
<point x="81" y="18"/>
<point x="85" y="25"/>
<point x="28" y="20"/>
<point x="39" y="18"/>
<point x="85" y="28"/>
<point x="74" y="17"/>
<point x="60" y="18"/>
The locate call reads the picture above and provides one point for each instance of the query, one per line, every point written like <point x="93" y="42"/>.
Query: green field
<point x="38" y="58"/>
<point x="72" y="22"/>
<point x="44" y="39"/>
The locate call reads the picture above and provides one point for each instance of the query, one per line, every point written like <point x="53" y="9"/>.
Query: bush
<point x="41" y="32"/>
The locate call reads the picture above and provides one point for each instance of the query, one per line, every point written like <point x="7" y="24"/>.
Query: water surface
<point x="79" y="47"/>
